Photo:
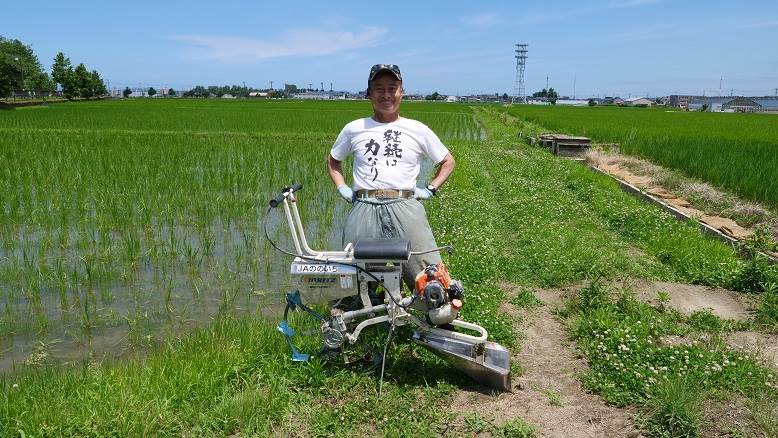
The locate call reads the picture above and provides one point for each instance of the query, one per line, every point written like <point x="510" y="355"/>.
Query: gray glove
<point x="346" y="192"/>
<point x="422" y="193"/>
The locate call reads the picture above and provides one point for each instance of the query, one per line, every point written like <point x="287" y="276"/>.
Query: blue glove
<point x="346" y="192"/>
<point x="422" y="193"/>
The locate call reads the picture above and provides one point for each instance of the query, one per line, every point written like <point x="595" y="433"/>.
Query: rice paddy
<point x="738" y="152"/>
<point x="128" y="223"/>
<point x="123" y="222"/>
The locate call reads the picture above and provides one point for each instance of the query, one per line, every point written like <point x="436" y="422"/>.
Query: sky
<point x="624" y="48"/>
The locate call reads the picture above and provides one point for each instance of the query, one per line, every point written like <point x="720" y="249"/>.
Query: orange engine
<point x="437" y="273"/>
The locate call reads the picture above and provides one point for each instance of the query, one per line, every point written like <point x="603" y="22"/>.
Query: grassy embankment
<point x="513" y="213"/>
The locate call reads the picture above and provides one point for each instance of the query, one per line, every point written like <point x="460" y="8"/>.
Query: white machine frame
<point x="394" y="305"/>
<point x="486" y="362"/>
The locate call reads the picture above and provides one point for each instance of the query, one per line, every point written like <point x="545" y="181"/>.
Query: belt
<point x="385" y="193"/>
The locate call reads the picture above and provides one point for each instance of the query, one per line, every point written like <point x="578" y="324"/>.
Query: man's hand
<point x="422" y="193"/>
<point x="346" y="192"/>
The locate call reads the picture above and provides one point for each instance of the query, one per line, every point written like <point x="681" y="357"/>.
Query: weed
<point x="516" y="428"/>
<point x="663" y="299"/>
<point x="526" y="299"/>
<point x="475" y="424"/>
<point x="767" y="309"/>
<point x="554" y="398"/>
<point x="673" y="409"/>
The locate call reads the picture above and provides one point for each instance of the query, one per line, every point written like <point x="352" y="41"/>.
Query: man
<point x="388" y="150"/>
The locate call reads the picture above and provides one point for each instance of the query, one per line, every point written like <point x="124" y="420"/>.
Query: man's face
<point x="386" y="92"/>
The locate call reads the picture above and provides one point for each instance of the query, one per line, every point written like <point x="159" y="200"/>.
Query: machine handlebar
<point x="284" y="193"/>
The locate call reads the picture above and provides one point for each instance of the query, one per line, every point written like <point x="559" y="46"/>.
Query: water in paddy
<point x="103" y="301"/>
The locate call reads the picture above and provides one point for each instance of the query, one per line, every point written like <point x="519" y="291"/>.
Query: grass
<point x="673" y="410"/>
<point x="174" y="236"/>
<point x="233" y="376"/>
<point x="630" y="363"/>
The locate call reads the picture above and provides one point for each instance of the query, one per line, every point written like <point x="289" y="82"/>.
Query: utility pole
<point x="720" y="79"/>
<point x="271" y="85"/>
<point x="330" y="87"/>
<point x="518" y="84"/>
<point x="575" y="76"/>
<point x="546" y="82"/>
<point x="322" y="86"/>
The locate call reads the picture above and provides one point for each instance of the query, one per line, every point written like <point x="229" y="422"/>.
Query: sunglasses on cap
<point x="391" y="68"/>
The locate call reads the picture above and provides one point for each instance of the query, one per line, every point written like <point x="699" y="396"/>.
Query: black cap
<point x="378" y="68"/>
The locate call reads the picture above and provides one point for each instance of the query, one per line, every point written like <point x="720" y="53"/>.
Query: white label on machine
<point x="322" y="268"/>
<point x="346" y="281"/>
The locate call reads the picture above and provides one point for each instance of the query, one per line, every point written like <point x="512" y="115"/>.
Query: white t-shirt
<point x="387" y="155"/>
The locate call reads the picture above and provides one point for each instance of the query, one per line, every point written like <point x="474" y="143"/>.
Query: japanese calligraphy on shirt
<point x="391" y="151"/>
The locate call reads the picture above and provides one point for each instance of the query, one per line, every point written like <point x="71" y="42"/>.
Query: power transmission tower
<point x="519" y="93"/>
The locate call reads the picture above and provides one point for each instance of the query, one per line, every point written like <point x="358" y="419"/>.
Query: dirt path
<point x="549" y="394"/>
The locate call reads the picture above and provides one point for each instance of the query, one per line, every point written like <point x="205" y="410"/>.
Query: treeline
<point x="233" y="90"/>
<point x="20" y="70"/>
<point x="78" y="82"/>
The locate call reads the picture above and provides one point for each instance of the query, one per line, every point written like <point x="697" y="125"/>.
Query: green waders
<point x="394" y="218"/>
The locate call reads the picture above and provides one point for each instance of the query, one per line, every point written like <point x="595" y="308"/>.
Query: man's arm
<point x="443" y="171"/>
<point x="336" y="171"/>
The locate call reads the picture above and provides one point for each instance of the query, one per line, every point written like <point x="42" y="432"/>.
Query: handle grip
<point x="284" y="193"/>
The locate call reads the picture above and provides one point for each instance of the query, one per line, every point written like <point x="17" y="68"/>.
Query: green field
<point x="738" y="152"/>
<point x="126" y="223"/>
<point x="124" y="214"/>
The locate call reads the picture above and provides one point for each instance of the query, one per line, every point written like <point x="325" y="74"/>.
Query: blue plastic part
<point x="294" y="299"/>
<point x="299" y="357"/>
<point x="288" y="332"/>
<point x="284" y="328"/>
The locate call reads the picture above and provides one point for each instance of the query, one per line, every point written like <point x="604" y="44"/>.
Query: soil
<point x="763" y="345"/>
<point x="688" y="298"/>
<point x="548" y="394"/>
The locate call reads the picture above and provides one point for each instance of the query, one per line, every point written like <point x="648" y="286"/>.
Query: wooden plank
<point x="705" y="228"/>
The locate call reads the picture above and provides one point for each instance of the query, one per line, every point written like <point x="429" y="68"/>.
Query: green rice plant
<point x="734" y="151"/>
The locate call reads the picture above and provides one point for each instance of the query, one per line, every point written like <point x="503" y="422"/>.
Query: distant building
<point x="679" y="101"/>
<point x="638" y="101"/>
<point x="452" y="99"/>
<point x="572" y="102"/>
<point x="228" y="96"/>
<point x="258" y="94"/>
<point x="312" y="96"/>
<point x="768" y="104"/>
<point x="724" y="104"/>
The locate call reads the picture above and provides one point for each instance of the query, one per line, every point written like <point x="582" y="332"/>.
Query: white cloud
<point x="760" y="25"/>
<point x="299" y="42"/>
<point x="485" y="19"/>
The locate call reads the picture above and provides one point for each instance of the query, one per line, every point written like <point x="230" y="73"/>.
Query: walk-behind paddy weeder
<point x="352" y="276"/>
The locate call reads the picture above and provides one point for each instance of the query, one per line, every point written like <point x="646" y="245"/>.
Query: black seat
<point x="383" y="249"/>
